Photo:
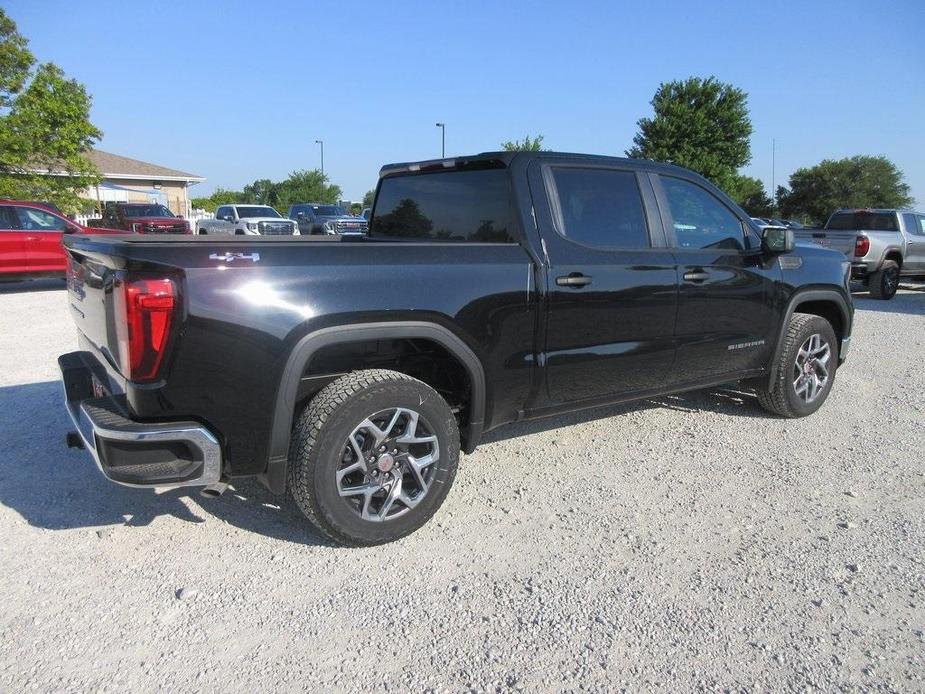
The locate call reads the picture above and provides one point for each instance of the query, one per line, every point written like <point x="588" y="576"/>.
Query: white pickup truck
<point x="882" y="245"/>
<point x="249" y="220"/>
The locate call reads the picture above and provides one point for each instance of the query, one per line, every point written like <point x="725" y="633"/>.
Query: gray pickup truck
<point x="883" y="245"/>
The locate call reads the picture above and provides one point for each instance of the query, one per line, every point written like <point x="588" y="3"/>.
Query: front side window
<point x="468" y="205"/>
<point x="920" y="229"/>
<point x="31" y="219"/>
<point x="601" y="207"/>
<point x="700" y="219"/>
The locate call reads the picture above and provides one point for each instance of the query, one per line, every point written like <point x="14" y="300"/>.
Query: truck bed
<point x="842" y="241"/>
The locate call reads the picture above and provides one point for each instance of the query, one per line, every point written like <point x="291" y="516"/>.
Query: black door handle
<point x="575" y="279"/>
<point x="696" y="276"/>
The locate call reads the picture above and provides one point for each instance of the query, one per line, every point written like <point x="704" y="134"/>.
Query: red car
<point x="30" y="240"/>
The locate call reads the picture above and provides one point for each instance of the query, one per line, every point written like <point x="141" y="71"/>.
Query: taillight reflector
<point x="861" y="246"/>
<point x="146" y="308"/>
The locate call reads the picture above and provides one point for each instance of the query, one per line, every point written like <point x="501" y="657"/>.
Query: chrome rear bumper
<point x="136" y="454"/>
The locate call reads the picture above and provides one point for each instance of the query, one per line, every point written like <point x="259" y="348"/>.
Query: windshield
<point x="256" y="211"/>
<point x="146" y="211"/>
<point x="856" y="221"/>
<point x="329" y="211"/>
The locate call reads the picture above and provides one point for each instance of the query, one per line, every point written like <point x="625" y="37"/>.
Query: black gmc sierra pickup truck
<point x="491" y="288"/>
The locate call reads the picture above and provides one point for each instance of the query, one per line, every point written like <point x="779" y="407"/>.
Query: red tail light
<point x="861" y="246"/>
<point x="145" y="310"/>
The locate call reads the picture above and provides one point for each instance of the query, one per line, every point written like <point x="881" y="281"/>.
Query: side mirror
<point x="777" y="240"/>
<point x="71" y="229"/>
<point x="228" y="218"/>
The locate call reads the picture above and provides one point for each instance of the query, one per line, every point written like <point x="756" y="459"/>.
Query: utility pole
<point x="321" y="142"/>
<point x="774" y="173"/>
<point x="442" y="127"/>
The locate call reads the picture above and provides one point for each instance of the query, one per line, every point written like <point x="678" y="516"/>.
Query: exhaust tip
<point x="213" y="491"/>
<point x="73" y="440"/>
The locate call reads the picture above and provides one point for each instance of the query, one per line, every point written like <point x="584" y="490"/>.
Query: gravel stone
<point x="676" y="544"/>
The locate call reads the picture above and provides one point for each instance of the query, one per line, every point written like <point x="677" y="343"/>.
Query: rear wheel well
<point x="421" y="358"/>
<point x="895" y="256"/>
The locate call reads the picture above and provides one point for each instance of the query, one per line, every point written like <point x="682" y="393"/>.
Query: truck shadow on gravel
<point x="733" y="401"/>
<point x="909" y="300"/>
<point x="55" y="488"/>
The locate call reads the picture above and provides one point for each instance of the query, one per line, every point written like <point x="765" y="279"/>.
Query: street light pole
<point x="442" y="127"/>
<point x="321" y="142"/>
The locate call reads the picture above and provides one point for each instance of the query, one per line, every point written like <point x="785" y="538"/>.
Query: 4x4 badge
<point x="229" y="257"/>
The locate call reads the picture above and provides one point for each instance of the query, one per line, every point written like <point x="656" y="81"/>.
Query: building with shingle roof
<point x="132" y="180"/>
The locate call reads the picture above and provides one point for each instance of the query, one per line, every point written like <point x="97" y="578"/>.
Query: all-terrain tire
<point x="781" y="397"/>
<point x="320" y="444"/>
<point x="884" y="283"/>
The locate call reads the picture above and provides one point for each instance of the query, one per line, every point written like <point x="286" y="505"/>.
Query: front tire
<point x="373" y="456"/>
<point x="805" y="368"/>
<point x="885" y="282"/>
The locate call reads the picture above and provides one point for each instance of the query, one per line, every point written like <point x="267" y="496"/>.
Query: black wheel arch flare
<point x="305" y="348"/>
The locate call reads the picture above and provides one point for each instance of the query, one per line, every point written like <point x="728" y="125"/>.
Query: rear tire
<point x="885" y="282"/>
<point x="805" y="368"/>
<point x="373" y="456"/>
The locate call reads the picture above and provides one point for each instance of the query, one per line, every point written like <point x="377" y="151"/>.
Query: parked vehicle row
<point x="304" y="219"/>
<point x="493" y="288"/>
<point x="883" y="245"/>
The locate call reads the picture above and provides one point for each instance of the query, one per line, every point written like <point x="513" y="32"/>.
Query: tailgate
<point x="90" y="281"/>
<point x="836" y="240"/>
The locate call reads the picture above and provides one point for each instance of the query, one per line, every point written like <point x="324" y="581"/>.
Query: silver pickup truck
<point x="883" y="245"/>
<point x="247" y="220"/>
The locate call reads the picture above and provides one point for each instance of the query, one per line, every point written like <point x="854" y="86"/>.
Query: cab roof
<point x="504" y="159"/>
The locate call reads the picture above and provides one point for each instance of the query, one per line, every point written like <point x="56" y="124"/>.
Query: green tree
<point x="219" y="197"/>
<point x="16" y="61"/>
<point x="859" y="181"/>
<point x="528" y="144"/>
<point x="263" y="191"/>
<point x="750" y="194"/>
<point x="306" y="186"/>
<point x="44" y="127"/>
<point x="369" y="198"/>
<point x="701" y="124"/>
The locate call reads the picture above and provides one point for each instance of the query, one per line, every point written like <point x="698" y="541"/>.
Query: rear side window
<point x="601" y="207"/>
<point x="857" y="221"/>
<point x="474" y="206"/>
<point x="7" y="219"/>
<point x="700" y="219"/>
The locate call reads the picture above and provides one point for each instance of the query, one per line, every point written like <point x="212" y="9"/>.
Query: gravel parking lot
<point x="678" y="543"/>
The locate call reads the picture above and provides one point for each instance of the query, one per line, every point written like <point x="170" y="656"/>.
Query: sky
<point x="236" y="91"/>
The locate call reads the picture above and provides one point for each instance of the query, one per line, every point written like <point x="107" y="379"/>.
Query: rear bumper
<point x="136" y="454"/>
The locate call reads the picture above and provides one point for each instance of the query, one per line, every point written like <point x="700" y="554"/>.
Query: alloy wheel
<point x="811" y="368"/>
<point x="387" y="464"/>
